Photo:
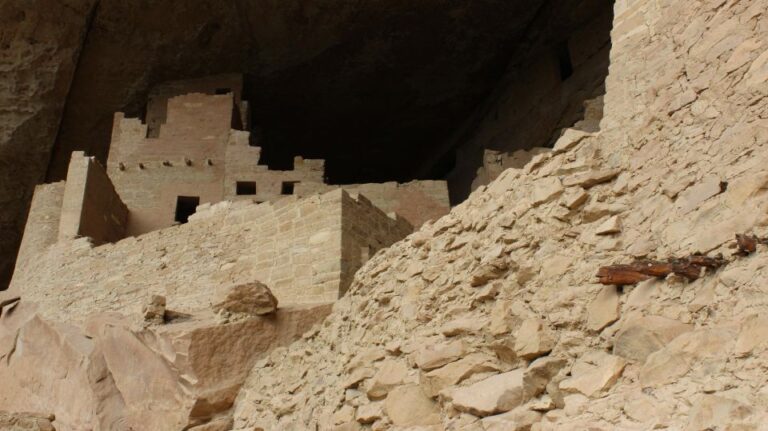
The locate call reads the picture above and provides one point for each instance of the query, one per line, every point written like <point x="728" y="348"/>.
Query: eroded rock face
<point x="184" y="373"/>
<point x="40" y="42"/>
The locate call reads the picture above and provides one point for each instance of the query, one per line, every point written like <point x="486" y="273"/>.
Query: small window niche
<point x="185" y="207"/>
<point x="564" y="60"/>
<point x="288" y="187"/>
<point x="245" y="188"/>
<point x="223" y="90"/>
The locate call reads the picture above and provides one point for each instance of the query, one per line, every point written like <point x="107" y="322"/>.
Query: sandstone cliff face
<point x="39" y="46"/>
<point x="491" y="317"/>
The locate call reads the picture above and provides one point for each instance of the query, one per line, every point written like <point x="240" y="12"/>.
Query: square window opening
<point x="288" y="187"/>
<point x="246" y="188"/>
<point x="185" y="207"/>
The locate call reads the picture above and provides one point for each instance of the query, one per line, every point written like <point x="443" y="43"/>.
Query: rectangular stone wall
<point x="415" y="201"/>
<point x="295" y="246"/>
<point x="91" y="207"/>
<point x="366" y="229"/>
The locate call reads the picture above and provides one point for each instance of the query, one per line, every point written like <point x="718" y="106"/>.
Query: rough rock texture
<point x="114" y="374"/>
<point x="253" y="299"/>
<point x="686" y="102"/>
<point x="40" y="41"/>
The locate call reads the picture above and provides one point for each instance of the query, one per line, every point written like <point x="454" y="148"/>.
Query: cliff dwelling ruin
<point x="369" y="216"/>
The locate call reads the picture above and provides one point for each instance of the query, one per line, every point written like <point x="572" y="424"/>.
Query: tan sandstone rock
<point x="252" y="299"/>
<point x="496" y="394"/>
<point x="434" y="356"/>
<point x="604" y="309"/>
<point x="640" y="337"/>
<point x="533" y="339"/>
<point x="408" y="406"/>
<point x="593" y="373"/>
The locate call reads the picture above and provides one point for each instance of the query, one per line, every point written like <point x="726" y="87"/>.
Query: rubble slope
<point x="492" y="317"/>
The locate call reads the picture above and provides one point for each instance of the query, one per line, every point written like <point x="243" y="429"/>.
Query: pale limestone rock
<point x="357" y="376"/>
<point x="502" y="319"/>
<point x="591" y="178"/>
<point x="569" y="139"/>
<point x="545" y="190"/>
<point x="642" y="336"/>
<point x="436" y="355"/>
<point x="715" y="412"/>
<point x="593" y="373"/>
<point x="538" y="375"/>
<point x="604" y="309"/>
<point x="574" y="197"/>
<point x="392" y="373"/>
<point x="679" y="355"/>
<point x="533" y="339"/>
<point x="519" y="419"/>
<point x="345" y="414"/>
<point x="251" y="299"/>
<point x="456" y="372"/>
<point x="408" y="406"/>
<point x="489" y="270"/>
<point x="463" y="325"/>
<point x="609" y="227"/>
<point x="370" y="413"/>
<point x="496" y="394"/>
<point x="753" y="334"/>
<point x="693" y="197"/>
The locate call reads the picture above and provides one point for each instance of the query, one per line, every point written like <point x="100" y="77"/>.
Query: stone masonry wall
<point x="415" y="201"/>
<point x="90" y="206"/>
<point x="294" y="246"/>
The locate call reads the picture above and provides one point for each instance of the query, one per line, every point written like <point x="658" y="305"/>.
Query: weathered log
<point x="747" y="244"/>
<point x="689" y="267"/>
<point x="620" y="275"/>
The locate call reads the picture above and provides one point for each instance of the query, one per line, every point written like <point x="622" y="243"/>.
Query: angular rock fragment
<point x="370" y="413"/>
<point x="591" y="178"/>
<point x="533" y="339"/>
<point x="391" y="374"/>
<point x="456" y="372"/>
<point x="545" y="190"/>
<point x="594" y="373"/>
<point x="436" y="355"/>
<point x="497" y="394"/>
<point x="604" y="309"/>
<point x="251" y="299"/>
<point x="519" y="419"/>
<point x="640" y="337"/>
<point x="538" y="375"/>
<point x="610" y="226"/>
<point x="408" y="406"/>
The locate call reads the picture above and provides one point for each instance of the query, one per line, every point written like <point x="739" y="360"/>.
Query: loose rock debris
<point x="692" y="267"/>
